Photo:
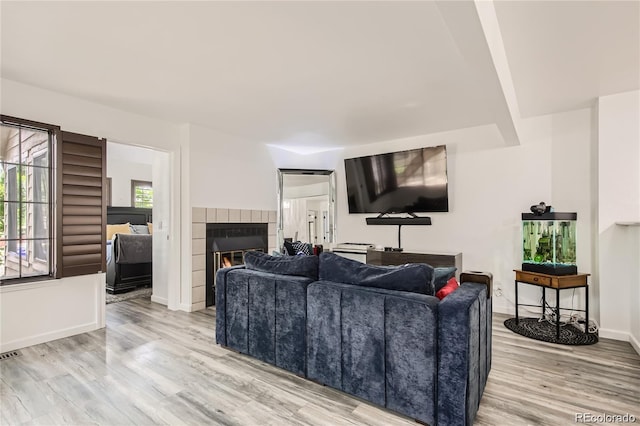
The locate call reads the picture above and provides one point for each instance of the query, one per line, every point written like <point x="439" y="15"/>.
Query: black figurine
<point x="540" y="209"/>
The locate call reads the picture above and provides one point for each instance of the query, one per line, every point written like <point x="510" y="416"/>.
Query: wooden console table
<point x="557" y="282"/>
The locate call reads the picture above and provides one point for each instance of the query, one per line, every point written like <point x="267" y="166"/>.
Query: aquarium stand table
<point x="556" y="282"/>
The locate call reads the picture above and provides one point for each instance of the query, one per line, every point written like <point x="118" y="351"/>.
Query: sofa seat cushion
<point x="301" y="266"/>
<point x="413" y="277"/>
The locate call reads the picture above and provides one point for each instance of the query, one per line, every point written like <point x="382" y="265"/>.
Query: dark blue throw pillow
<point x="413" y="277"/>
<point x="301" y="266"/>
<point x="288" y="248"/>
<point x="442" y="275"/>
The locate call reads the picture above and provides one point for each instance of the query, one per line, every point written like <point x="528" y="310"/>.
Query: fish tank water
<point x="549" y="243"/>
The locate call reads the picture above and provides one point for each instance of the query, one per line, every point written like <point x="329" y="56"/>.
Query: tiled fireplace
<point x="200" y="252"/>
<point x="226" y="244"/>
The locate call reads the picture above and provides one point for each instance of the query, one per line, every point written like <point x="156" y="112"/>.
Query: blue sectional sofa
<point x="374" y="332"/>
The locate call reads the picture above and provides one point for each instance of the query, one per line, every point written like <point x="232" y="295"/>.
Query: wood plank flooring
<point x="153" y="366"/>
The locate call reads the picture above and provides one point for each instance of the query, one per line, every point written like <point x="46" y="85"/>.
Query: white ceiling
<point x="344" y="72"/>
<point x="564" y="54"/>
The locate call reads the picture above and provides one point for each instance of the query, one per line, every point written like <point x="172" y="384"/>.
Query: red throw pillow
<point x="448" y="288"/>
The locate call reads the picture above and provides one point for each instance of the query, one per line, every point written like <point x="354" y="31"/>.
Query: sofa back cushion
<point x="441" y="276"/>
<point x="301" y="266"/>
<point x="413" y="277"/>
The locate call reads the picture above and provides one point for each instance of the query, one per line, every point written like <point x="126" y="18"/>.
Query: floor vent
<point x="8" y="355"/>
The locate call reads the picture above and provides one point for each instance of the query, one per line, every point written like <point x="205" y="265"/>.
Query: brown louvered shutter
<point x="82" y="205"/>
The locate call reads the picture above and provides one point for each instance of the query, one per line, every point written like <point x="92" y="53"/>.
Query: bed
<point x="129" y="253"/>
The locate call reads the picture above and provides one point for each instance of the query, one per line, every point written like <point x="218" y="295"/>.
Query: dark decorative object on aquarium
<point x="540" y="209"/>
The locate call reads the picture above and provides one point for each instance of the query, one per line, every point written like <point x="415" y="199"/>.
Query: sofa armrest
<point x="479" y="277"/>
<point x="221" y="302"/>
<point x="263" y="315"/>
<point x="461" y="353"/>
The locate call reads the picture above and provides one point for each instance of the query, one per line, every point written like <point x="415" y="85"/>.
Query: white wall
<point x="74" y="300"/>
<point x="220" y="171"/>
<point x="38" y="312"/>
<point x="124" y="164"/>
<point x="229" y="172"/>
<point x="635" y="291"/>
<point x="80" y="116"/>
<point x="490" y="185"/>
<point x="488" y="190"/>
<point x="294" y="219"/>
<point x="572" y="191"/>
<point x="619" y="200"/>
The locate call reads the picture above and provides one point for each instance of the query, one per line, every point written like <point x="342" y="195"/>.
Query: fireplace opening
<point x="226" y="245"/>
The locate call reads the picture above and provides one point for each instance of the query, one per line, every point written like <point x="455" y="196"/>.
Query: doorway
<point x="140" y="186"/>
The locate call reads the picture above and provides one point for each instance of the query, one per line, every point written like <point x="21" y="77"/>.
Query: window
<point x="25" y="199"/>
<point x="141" y="194"/>
<point x="41" y="210"/>
<point x="12" y="209"/>
<point x="52" y="202"/>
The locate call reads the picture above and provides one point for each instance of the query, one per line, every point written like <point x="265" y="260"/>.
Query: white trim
<point x="7" y="288"/>
<point x="160" y="300"/>
<point x="47" y="337"/>
<point x="101" y="306"/>
<point x="614" y="334"/>
<point x="183" y="291"/>
<point x="634" y="342"/>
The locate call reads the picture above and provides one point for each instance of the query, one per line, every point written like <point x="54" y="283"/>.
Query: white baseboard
<point x="500" y="306"/>
<point x="186" y="307"/>
<point x="635" y="343"/>
<point x="613" y="334"/>
<point x="47" y="337"/>
<point x="160" y="300"/>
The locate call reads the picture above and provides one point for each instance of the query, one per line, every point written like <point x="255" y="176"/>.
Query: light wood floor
<point x="154" y="366"/>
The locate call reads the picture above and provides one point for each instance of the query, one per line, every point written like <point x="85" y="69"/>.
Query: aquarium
<point x="549" y="243"/>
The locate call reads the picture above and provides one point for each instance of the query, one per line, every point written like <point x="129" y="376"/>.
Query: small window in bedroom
<point x="141" y="194"/>
<point x="25" y="200"/>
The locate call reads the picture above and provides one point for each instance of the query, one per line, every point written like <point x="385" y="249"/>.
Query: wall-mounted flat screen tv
<point x="413" y="181"/>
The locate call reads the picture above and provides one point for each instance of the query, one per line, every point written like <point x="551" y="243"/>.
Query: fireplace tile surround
<point x="200" y="216"/>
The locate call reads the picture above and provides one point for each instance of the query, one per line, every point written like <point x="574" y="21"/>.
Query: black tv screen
<point x="411" y="181"/>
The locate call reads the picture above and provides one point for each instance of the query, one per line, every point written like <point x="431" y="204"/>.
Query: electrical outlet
<point x="498" y="292"/>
